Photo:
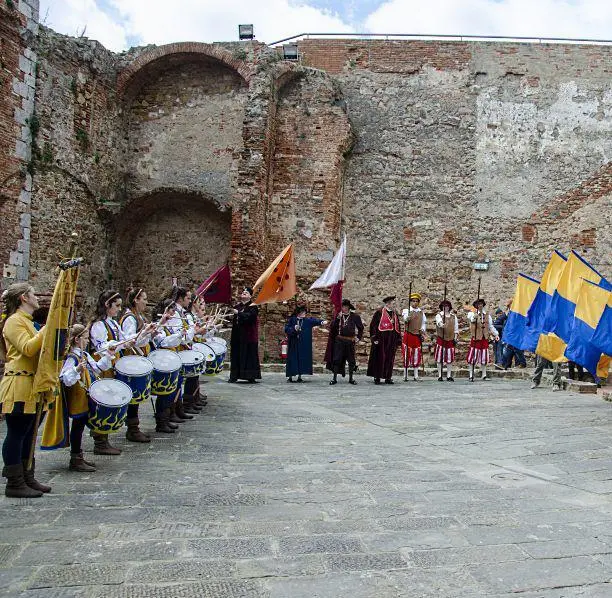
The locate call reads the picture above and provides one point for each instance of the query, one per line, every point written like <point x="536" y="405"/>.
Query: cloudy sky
<point x="119" y="24"/>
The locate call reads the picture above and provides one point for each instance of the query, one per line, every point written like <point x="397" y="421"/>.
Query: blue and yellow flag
<point x="602" y="336"/>
<point x="536" y="314"/>
<point x="560" y="316"/>
<point x="591" y="305"/>
<point x="515" y="331"/>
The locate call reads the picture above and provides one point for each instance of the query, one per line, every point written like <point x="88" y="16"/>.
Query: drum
<point x="136" y="372"/>
<point x="220" y="351"/>
<point x="166" y="371"/>
<point x="193" y="362"/>
<point x="108" y="403"/>
<point x="219" y="339"/>
<point x="210" y="359"/>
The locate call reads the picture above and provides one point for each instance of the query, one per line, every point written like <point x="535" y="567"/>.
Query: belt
<point x="19" y="373"/>
<point x="346" y="338"/>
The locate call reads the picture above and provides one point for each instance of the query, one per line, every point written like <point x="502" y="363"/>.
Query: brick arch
<point x="130" y="75"/>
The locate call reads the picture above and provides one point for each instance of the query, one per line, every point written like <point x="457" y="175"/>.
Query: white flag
<point x="334" y="272"/>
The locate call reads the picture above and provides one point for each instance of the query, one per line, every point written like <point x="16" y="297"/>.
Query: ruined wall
<point x="18" y="26"/>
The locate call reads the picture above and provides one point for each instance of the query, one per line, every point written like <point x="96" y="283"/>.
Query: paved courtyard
<point x="302" y="491"/>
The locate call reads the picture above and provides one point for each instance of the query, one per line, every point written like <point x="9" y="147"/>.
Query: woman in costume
<point x="20" y="345"/>
<point x="299" y="332"/>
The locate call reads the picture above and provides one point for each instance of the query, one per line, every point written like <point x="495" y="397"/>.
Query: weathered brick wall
<point x="18" y="26"/>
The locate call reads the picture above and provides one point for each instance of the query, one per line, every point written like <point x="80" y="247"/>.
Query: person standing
<point x="244" y="341"/>
<point x="498" y="346"/>
<point x="416" y="326"/>
<point x="20" y="345"/>
<point x="299" y="354"/>
<point x="345" y="330"/>
<point x="481" y="326"/>
<point x="541" y="364"/>
<point x="447" y="334"/>
<point x="385" y="334"/>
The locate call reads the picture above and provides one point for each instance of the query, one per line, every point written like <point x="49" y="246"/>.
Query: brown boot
<point x="163" y="425"/>
<point x="15" y="485"/>
<point x="173" y="417"/>
<point x="102" y="446"/>
<point x="189" y="405"/>
<point x="77" y="463"/>
<point x="28" y="476"/>
<point x="180" y="411"/>
<point x="134" y="434"/>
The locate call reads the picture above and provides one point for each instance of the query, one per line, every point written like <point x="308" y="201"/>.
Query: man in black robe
<point x="244" y="342"/>
<point x="346" y="329"/>
<point x="386" y="337"/>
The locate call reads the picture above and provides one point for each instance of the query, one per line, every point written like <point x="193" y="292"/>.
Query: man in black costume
<point x="386" y="336"/>
<point x="244" y="342"/>
<point x="345" y="330"/>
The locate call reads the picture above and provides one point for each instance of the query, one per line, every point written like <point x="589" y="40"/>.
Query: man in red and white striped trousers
<point x="447" y="333"/>
<point x="481" y="327"/>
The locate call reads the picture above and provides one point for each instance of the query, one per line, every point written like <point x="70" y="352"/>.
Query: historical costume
<point x="386" y="336"/>
<point x="481" y="326"/>
<point x="415" y="324"/>
<point x="21" y="344"/>
<point x="79" y="371"/>
<point x="244" y="342"/>
<point x="345" y="330"/>
<point x="299" y="332"/>
<point x="447" y="334"/>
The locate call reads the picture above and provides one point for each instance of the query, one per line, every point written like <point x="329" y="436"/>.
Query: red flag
<point x="335" y="296"/>
<point x="217" y="288"/>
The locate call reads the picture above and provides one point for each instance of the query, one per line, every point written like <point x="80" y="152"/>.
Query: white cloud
<point x="537" y="18"/>
<point x="73" y="16"/>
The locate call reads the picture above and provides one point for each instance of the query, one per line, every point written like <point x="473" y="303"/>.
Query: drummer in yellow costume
<point x="78" y="372"/>
<point x="20" y="346"/>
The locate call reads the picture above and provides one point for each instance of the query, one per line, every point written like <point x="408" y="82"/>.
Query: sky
<point x="120" y="24"/>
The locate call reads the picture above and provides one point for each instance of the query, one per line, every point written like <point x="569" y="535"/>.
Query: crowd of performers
<point x="109" y="357"/>
<point x="114" y="362"/>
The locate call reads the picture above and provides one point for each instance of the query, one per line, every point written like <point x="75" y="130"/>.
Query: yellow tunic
<point x="23" y="345"/>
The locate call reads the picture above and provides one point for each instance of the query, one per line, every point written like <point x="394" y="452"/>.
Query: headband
<point x="110" y="299"/>
<point x="137" y="294"/>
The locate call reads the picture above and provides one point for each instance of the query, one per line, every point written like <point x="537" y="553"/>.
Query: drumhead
<point x="191" y="357"/>
<point x="205" y="349"/>
<point x="110" y="393"/>
<point x="165" y="361"/>
<point x="218" y="348"/>
<point x="134" y="365"/>
<point x="219" y="339"/>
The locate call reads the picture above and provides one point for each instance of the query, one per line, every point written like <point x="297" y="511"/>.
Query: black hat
<point x="299" y="309"/>
<point x="445" y="302"/>
<point x="346" y="302"/>
<point x="389" y="298"/>
<point x="479" y="301"/>
<point x="249" y="290"/>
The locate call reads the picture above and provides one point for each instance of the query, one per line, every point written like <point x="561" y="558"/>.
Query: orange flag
<point x="277" y="283"/>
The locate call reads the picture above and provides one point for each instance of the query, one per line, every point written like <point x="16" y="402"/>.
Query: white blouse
<point x="70" y="375"/>
<point x="129" y="327"/>
<point x="440" y="321"/>
<point x="99" y="335"/>
<point x="407" y="312"/>
<point x="471" y="316"/>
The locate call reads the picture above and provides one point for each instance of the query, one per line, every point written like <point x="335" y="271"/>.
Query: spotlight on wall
<point x="245" y="32"/>
<point x="290" y="52"/>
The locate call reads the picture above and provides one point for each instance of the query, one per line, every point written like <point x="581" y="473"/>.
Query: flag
<point x="277" y="283"/>
<point x="335" y="296"/>
<point x="591" y="305"/>
<point x="560" y="316"/>
<point x="602" y="336"/>
<point x="217" y="288"/>
<point x="536" y="315"/>
<point x="46" y="382"/>
<point x="515" y="331"/>
<point x="334" y="273"/>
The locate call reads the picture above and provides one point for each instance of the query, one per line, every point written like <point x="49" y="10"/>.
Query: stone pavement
<point x="302" y="491"/>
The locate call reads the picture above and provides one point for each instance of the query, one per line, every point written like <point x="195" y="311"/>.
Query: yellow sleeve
<point x="18" y="335"/>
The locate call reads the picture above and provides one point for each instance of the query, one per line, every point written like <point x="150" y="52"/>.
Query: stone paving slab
<point x="289" y="491"/>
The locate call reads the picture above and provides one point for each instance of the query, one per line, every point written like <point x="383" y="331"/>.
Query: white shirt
<point x="70" y="375"/>
<point x="408" y="311"/>
<point x="440" y="321"/>
<point x="129" y="327"/>
<point x="99" y="335"/>
<point x="471" y="316"/>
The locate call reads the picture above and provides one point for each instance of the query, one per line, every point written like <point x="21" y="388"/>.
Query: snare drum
<point x="220" y="340"/>
<point x="192" y="361"/>
<point x="210" y="359"/>
<point x="220" y="351"/>
<point x="108" y="403"/>
<point x="136" y="372"/>
<point x="166" y="371"/>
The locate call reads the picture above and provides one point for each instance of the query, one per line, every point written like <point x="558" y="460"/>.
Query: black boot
<point x="16" y="486"/>
<point x="162" y="423"/>
<point x="28" y="476"/>
<point x="189" y="405"/>
<point x="334" y="380"/>
<point x="180" y="411"/>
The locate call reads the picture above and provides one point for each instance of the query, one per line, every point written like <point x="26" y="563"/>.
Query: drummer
<point x="80" y="367"/>
<point x="166" y="420"/>
<point x="134" y="324"/>
<point x="105" y="332"/>
<point x="198" y="308"/>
